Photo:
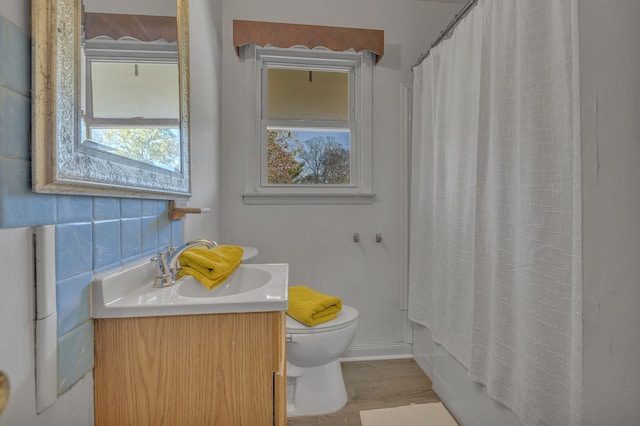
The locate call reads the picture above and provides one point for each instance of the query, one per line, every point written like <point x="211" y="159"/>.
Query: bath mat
<point x="409" y="415"/>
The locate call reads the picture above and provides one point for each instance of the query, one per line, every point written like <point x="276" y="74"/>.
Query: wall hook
<point x="378" y="237"/>
<point x="356" y="237"/>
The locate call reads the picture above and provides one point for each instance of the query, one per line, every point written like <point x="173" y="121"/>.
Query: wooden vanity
<point x="212" y="369"/>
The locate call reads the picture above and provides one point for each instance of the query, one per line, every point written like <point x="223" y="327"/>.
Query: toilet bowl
<point x="314" y="378"/>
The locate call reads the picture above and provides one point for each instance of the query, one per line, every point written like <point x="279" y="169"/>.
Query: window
<point x="313" y="131"/>
<point x="130" y="100"/>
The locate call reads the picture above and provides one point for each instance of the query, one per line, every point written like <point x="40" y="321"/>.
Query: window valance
<point x="289" y="35"/>
<point x="140" y="27"/>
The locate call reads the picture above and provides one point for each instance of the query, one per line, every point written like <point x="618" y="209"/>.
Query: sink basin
<point x="243" y="279"/>
<point x="128" y="292"/>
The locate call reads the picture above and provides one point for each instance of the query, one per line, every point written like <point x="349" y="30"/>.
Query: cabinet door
<point x="279" y="368"/>
<point x="186" y="370"/>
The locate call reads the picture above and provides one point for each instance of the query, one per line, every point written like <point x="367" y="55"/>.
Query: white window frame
<point x="123" y="51"/>
<point x="360" y="188"/>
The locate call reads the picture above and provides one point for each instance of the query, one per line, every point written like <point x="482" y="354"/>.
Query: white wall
<point x="317" y="241"/>
<point x="610" y="90"/>
<point x="206" y="82"/>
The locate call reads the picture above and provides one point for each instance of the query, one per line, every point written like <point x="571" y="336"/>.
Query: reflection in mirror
<point x="116" y="121"/>
<point x="130" y="93"/>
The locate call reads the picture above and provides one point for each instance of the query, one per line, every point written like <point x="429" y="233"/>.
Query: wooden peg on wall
<point x="177" y="210"/>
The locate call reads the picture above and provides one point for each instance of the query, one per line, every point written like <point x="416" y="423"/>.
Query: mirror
<point x="111" y="98"/>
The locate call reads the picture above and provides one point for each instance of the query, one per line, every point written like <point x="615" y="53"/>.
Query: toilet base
<point x="315" y="390"/>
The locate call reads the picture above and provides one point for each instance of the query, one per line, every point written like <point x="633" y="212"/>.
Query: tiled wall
<point x="92" y="233"/>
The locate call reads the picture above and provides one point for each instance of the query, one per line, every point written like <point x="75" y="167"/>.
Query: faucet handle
<point x="161" y="259"/>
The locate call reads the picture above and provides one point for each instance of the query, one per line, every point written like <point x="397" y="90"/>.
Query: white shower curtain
<point x="495" y="267"/>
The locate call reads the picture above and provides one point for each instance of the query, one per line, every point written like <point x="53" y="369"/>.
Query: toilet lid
<point x="346" y="316"/>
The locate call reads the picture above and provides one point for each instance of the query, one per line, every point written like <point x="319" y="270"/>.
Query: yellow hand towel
<point x="311" y="307"/>
<point x="210" y="266"/>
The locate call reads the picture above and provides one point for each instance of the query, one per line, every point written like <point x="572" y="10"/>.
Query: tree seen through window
<point x="303" y="156"/>
<point x="157" y="146"/>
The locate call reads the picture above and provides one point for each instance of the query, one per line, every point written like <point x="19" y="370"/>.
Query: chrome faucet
<point x="168" y="261"/>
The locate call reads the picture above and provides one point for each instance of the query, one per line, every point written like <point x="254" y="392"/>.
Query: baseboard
<point x="378" y="351"/>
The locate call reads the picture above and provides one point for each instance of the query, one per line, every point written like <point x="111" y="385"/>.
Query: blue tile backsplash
<point x="106" y="208"/>
<point x="92" y="233"/>
<point x="15" y="113"/>
<point x="18" y="205"/>
<point x="131" y="238"/>
<point x="106" y="244"/>
<point x="75" y="356"/>
<point x="74" y="254"/>
<point x="74" y="209"/>
<point x="15" y="66"/>
<point x="73" y="302"/>
<point x="130" y="208"/>
<point x="149" y="234"/>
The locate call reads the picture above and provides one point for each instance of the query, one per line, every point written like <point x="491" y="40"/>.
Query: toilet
<point x="314" y="378"/>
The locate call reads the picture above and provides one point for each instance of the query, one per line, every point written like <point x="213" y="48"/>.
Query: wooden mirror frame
<point x="60" y="162"/>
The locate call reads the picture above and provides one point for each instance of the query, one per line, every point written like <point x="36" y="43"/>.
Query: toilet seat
<point x="346" y="316"/>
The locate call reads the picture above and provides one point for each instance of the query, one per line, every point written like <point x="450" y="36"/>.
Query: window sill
<point x="288" y="198"/>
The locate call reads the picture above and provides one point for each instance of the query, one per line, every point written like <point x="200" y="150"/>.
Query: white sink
<point x="248" y="253"/>
<point x="244" y="279"/>
<point x="129" y="292"/>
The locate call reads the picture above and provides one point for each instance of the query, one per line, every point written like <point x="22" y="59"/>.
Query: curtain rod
<point x="449" y="28"/>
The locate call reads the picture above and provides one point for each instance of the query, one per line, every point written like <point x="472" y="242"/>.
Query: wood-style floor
<point x="375" y="384"/>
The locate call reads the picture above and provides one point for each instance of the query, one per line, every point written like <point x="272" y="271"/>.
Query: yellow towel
<point x="311" y="307"/>
<point x="210" y="266"/>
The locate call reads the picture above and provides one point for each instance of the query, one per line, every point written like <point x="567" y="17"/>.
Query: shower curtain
<point x="495" y="248"/>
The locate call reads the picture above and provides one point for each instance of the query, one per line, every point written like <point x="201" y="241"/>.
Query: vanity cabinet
<point x="213" y="369"/>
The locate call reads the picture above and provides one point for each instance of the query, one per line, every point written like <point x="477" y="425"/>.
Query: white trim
<point x="405" y="108"/>
<point x="406" y="166"/>
<point x="361" y="189"/>
<point x="377" y="351"/>
<point x="365" y="124"/>
<point x="46" y="321"/>
<point x="306" y="198"/>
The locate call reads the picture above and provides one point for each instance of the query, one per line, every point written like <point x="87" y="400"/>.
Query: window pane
<point x="128" y="90"/>
<point x="159" y="147"/>
<point x="308" y="156"/>
<point x="307" y="94"/>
